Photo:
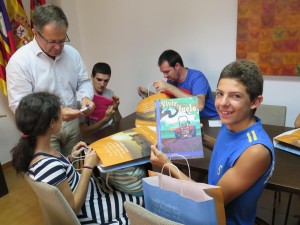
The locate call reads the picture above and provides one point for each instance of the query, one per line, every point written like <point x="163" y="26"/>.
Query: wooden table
<point x="285" y="176"/>
<point x="287" y="166"/>
<point x="124" y="124"/>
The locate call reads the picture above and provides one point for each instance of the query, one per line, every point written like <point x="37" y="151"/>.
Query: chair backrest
<point x="55" y="208"/>
<point x="213" y="95"/>
<point x="138" y="215"/>
<point x="272" y="114"/>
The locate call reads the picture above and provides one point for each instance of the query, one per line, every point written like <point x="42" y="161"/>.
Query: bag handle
<point x="170" y="164"/>
<point x="162" y="169"/>
<point x="148" y="88"/>
<point x="187" y="163"/>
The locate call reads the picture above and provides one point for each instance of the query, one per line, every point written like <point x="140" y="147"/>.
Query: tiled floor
<point x="265" y="208"/>
<point x="21" y="206"/>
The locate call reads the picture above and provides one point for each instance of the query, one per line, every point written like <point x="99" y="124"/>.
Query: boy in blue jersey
<point x="243" y="156"/>
<point x="183" y="82"/>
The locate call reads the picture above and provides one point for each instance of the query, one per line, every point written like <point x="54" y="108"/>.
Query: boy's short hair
<point x="101" y="67"/>
<point x="246" y="72"/>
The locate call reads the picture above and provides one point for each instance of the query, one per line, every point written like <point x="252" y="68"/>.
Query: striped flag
<point x="33" y="4"/>
<point x="7" y="45"/>
<point x="19" y="23"/>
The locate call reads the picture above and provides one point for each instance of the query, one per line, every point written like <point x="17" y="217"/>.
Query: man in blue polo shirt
<point x="183" y="82"/>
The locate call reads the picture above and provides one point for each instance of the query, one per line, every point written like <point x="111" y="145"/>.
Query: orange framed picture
<point x="268" y="32"/>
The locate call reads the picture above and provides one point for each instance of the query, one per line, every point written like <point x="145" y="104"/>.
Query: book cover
<point x="178" y="127"/>
<point x="288" y="141"/>
<point x="127" y="148"/>
<point x="101" y="105"/>
<point x="145" y="110"/>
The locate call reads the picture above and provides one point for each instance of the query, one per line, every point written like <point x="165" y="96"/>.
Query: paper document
<point x="214" y="123"/>
<point x="288" y="141"/>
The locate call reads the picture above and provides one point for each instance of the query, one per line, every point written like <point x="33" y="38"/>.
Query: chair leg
<point x="279" y="196"/>
<point x="259" y="221"/>
<point x="274" y="208"/>
<point x="288" y="209"/>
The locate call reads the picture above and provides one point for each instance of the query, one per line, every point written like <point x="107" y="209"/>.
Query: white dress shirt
<point x="31" y="70"/>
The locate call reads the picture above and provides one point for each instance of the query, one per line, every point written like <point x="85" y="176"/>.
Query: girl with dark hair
<point x="38" y="116"/>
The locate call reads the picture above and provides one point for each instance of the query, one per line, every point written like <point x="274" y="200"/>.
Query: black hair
<point x="33" y="118"/>
<point x="171" y="57"/>
<point x="101" y="67"/>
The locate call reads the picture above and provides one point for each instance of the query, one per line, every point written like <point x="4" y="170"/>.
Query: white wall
<point x="9" y="134"/>
<point x="131" y="34"/>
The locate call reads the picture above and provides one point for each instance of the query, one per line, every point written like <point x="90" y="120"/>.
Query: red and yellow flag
<point x="33" y="4"/>
<point x="19" y="23"/>
<point x="7" y="45"/>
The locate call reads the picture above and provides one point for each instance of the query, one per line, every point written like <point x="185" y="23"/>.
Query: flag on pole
<point x="33" y="4"/>
<point x="7" y="45"/>
<point x="19" y="23"/>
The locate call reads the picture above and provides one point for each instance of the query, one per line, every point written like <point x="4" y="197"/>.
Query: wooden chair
<point x="272" y="114"/>
<point x="213" y="95"/>
<point x="55" y="208"/>
<point x="138" y="215"/>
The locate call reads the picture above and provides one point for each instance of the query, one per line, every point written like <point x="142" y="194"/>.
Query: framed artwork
<point x="268" y="33"/>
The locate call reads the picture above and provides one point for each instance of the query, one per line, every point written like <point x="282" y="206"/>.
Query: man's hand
<point x="116" y="102"/>
<point x="143" y="92"/>
<point x="69" y="114"/>
<point x="87" y="102"/>
<point x="109" y="113"/>
<point x="161" y="85"/>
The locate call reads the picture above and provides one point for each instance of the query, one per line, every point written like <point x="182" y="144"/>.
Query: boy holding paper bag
<point x="243" y="155"/>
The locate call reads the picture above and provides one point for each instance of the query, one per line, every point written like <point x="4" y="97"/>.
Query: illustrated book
<point x="127" y="148"/>
<point x="178" y="127"/>
<point x="101" y="105"/>
<point x="132" y="146"/>
<point x="145" y="110"/>
<point x="288" y="141"/>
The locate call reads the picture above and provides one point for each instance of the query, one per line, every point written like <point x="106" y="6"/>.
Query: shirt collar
<point x="37" y="49"/>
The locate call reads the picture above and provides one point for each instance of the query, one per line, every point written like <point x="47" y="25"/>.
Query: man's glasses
<point x="54" y="42"/>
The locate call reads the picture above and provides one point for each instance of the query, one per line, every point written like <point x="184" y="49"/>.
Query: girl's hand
<point x="91" y="158"/>
<point x="77" y="149"/>
<point x="157" y="157"/>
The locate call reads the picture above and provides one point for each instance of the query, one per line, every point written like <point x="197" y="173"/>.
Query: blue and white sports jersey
<point x="228" y="148"/>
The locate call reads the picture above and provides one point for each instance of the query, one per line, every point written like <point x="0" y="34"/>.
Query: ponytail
<point x="22" y="153"/>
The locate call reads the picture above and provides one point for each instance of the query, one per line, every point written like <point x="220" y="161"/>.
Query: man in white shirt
<point x="47" y="64"/>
